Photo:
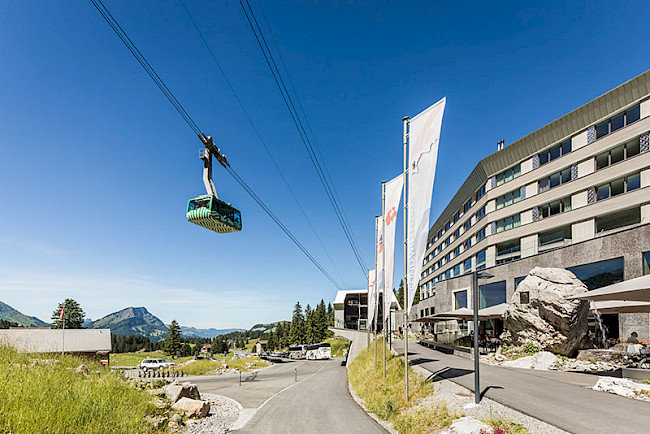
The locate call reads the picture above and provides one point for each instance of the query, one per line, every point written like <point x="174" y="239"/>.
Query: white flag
<point x="378" y="260"/>
<point x="371" y="297"/>
<point x="392" y="198"/>
<point x="424" y="135"/>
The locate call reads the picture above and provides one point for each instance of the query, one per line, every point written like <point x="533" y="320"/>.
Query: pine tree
<point x="172" y="342"/>
<point x="330" y="315"/>
<point x="297" y="331"/>
<point x="321" y="322"/>
<point x="400" y="293"/>
<point x="73" y="315"/>
<point x="310" y="325"/>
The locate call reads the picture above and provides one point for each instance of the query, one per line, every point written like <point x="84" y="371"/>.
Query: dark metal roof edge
<point x="583" y="117"/>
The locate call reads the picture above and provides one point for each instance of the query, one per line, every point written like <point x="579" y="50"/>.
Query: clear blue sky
<point x="96" y="167"/>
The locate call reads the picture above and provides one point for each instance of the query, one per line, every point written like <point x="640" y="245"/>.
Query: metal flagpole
<point x="367" y="312"/>
<point x="405" y="120"/>
<point x="374" y="319"/>
<point x="63" y="332"/>
<point x="383" y="264"/>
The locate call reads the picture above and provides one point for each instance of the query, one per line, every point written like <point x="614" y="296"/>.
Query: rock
<point x="82" y="369"/>
<point x="177" y="391"/>
<point x="623" y="387"/>
<point x="600" y="356"/>
<point x="624" y="347"/>
<point x="498" y="356"/>
<point x="176" y="418"/>
<point x="548" y="320"/>
<point x="468" y="425"/>
<point x="192" y="407"/>
<point x="156" y="421"/>
<point x="542" y="361"/>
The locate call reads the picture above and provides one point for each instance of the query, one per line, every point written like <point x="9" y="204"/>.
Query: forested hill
<point x="11" y="315"/>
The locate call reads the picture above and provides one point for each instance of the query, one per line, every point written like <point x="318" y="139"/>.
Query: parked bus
<point x="298" y="352"/>
<point x="319" y="352"/>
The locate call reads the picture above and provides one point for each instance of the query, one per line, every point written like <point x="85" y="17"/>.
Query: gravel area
<point x="223" y="414"/>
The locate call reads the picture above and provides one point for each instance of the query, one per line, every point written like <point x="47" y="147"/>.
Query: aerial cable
<point x="268" y="56"/>
<point x="112" y="22"/>
<point x="259" y="135"/>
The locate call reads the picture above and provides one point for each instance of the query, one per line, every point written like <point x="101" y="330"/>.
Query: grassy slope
<point x="338" y="345"/>
<point x="49" y="397"/>
<point x="134" y="359"/>
<point x="200" y="367"/>
<point x="10" y="314"/>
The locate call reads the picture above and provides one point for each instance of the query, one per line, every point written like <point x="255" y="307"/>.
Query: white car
<point x="155" y="364"/>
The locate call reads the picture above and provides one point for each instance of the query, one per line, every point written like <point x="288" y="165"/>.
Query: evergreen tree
<point x="73" y="316"/>
<point x="5" y="324"/>
<point x="310" y="325"/>
<point x="330" y="315"/>
<point x="400" y="293"/>
<point x="321" y="322"/>
<point x="297" y="330"/>
<point x="173" y="340"/>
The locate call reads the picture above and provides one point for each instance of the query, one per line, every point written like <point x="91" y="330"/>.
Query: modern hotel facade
<point x="574" y="194"/>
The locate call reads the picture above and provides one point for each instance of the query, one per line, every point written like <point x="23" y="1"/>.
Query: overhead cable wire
<point x="288" y="101"/>
<point x="112" y="22"/>
<point x="259" y="135"/>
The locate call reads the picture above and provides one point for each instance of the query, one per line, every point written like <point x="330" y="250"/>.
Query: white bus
<point x="319" y="352"/>
<point x="298" y="352"/>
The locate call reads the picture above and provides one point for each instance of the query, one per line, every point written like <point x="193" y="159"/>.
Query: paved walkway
<point x="275" y="403"/>
<point x="560" y="399"/>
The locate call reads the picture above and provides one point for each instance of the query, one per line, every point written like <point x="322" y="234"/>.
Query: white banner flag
<point x="424" y="136"/>
<point x="371" y="297"/>
<point x="378" y="260"/>
<point x="392" y="199"/>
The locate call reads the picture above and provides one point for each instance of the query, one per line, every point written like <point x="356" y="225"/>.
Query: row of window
<point x="619" y="186"/>
<point x="603" y="160"/>
<point x="508" y="223"/>
<point x="555" y="207"/>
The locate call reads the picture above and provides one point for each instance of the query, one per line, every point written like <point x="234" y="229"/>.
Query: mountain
<point x="132" y="321"/>
<point x="10" y="314"/>
<point x="265" y="327"/>
<point x="191" y="332"/>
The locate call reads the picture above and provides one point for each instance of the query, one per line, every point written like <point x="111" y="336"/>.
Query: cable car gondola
<point x="208" y="210"/>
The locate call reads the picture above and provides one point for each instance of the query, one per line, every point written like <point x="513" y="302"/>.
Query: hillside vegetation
<point x="10" y="314"/>
<point x="44" y="394"/>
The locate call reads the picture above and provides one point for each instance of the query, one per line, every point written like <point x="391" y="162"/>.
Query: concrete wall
<point x="359" y="341"/>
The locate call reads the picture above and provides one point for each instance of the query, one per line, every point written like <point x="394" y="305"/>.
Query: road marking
<point x="247" y="414"/>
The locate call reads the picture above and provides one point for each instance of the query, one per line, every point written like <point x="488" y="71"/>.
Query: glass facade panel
<point x="566" y="147"/>
<point x="602" y="160"/>
<point x="556" y="152"/>
<point x="554" y="236"/>
<point x="618" y="187"/>
<point x="518" y="280"/>
<point x="633" y="182"/>
<point x="566" y="175"/>
<point x="457" y="270"/>
<point x="602" y="129"/>
<point x="617" y="122"/>
<point x="603" y="192"/>
<point x="632" y="148"/>
<point x="544" y="184"/>
<point x="480" y="257"/>
<point x="555" y="180"/>
<point x="618" y="220"/>
<point x="599" y="274"/>
<point x="467" y="265"/>
<point x="646" y="263"/>
<point x="543" y="158"/>
<point x="508" y="247"/>
<point x="460" y="299"/>
<point x="618" y="154"/>
<point x="633" y="115"/>
<point x="492" y="294"/>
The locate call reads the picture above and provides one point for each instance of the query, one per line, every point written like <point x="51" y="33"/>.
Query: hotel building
<point x="574" y="194"/>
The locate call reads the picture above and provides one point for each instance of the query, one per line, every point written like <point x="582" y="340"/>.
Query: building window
<point x="554" y="180"/>
<point x="518" y="280"/>
<point x="460" y="299"/>
<point x="447" y="257"/>
<point x="618" y="220"/>
<point x="480" y="193"/>
<point x="480" y="214"/>
<point x="618" y="121"/>
<point x="457" y="216"/>
<point x="508" y="223"/>
<point x="480" y="234"/>
<point x="457" y="270"/>
<point x="599" y="274"/>
<point x="492" y="294"/>
<point x="467" y="244"/>
<point x="467" y="206"/>
<point x="440" y="232"/>
<point x="555" y="152"/>
<point x="509" y="174"/>
<point x="524" y="297"/>
<point x="617" y="154"/>
<point x="508" y="247"/>
<point x="448" y="274"/>
<point x="555" y="207"/>
<point x="555" y="236"/>
<point x="447" y="241"/>
<point x="456" y="234"/>
<point x="447" y="226"/>
<point x="457" y="252"/>
<point x="509" y="198"/>
<point x="480" y="260"/>
<point x="619" y="186"/>
<point x="467" y="225"/>
<point x="467" y="265"/>
<point x="646" y="263"/>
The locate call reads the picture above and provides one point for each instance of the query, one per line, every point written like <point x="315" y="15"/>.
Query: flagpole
<point x="383" y="264"/>
<point x="405" y="121"/>
<point x="63" y="332"/>
<point x="374" y="319"/>
<point x="367" y="310"/>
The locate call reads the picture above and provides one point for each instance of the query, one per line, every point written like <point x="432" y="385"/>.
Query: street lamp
<point x="475" y="301"/>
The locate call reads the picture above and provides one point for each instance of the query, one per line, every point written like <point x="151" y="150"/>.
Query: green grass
<point x="501" y="426"/>
<point x="338" y="345"/>
<point x="250" y="346"/>
<point x="134" y="359"/>
<point x="387" y="399"/>
<point x="43" y="394"/>
<point x="241" y="363"/>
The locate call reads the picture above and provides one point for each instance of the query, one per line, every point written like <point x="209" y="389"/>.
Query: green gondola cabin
<point x="211" y="213"/>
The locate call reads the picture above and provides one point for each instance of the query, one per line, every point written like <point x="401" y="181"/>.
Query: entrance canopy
<point x="616" y="306"/>
<point x="637" y="289"/>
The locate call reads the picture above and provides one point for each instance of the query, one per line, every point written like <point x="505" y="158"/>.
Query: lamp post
<point x="475" y="302"/>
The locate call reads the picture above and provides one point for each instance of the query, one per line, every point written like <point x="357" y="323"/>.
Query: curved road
<point x="275" y="403"/>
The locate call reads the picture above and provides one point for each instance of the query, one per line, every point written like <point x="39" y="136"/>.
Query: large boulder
<point x="546" y="318"/>
<point x="542" y="361"/>
<point x="176" y="391"/>
<point x="192" y="407"/>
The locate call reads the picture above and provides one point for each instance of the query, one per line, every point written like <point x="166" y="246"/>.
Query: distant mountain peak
<point x="132" y="321"/>
<point x="8" y="313"/>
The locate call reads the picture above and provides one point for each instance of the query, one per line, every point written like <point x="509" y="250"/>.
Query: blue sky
<point x="96" y="167"/>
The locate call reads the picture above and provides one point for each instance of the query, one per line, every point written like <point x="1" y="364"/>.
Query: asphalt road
<point x="561" y="399"/>
<point x="320" y="403"/>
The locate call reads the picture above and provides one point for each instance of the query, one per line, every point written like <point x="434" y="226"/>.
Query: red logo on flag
<point x="62" y="312"/>
<point x="390" y="215"/>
